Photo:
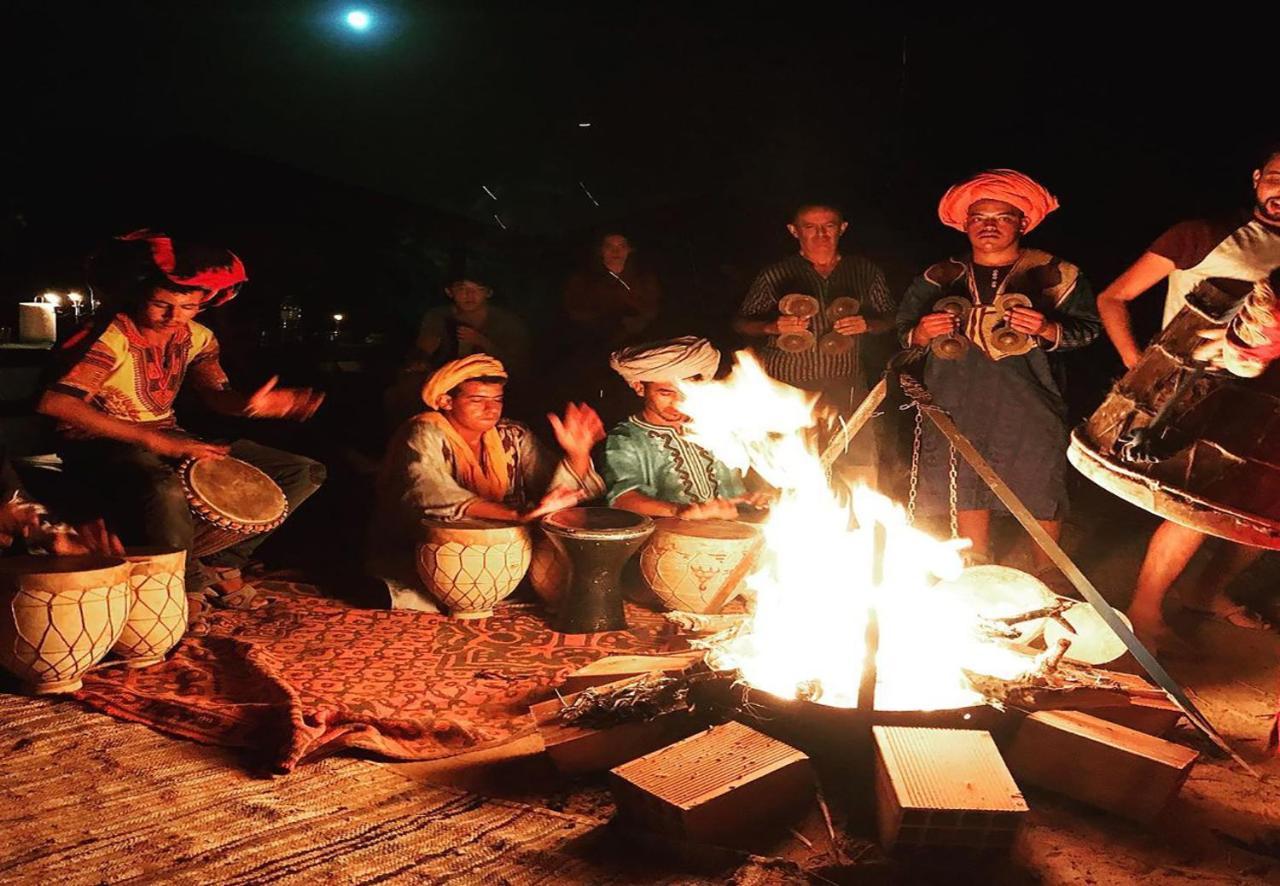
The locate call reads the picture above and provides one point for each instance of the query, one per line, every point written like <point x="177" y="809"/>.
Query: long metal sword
<point x="942" y="421"/>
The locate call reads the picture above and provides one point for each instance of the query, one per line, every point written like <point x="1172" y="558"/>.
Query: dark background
<point x="349" y="169"/>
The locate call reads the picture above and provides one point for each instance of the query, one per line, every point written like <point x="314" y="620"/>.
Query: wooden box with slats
<point x="727" y="785"/>
<point x="943" y="788"/>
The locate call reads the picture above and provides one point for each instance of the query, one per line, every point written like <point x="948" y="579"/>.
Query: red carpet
<point x="305" y="676"/>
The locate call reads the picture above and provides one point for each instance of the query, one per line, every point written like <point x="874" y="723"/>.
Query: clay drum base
<point x="472" y="565"/>
<point x="158" y="619"/>
<point x="59" y="616"/>
<point x="698" y="565"/>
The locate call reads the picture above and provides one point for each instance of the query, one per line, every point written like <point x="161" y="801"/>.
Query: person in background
<point x="613" y="301"/>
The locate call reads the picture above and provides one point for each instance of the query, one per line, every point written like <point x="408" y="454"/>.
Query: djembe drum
<point x="1190" y="443"/>
<point x="158" y="618"/>
<point x="59" y="616"/>
<point x="596" y="543"/>
<point x="232" y="501"/>
<point x="698" y="565"/>
<point x="471" y="565"/>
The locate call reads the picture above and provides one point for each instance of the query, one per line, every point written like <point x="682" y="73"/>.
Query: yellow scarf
<point x="491" y="480"/>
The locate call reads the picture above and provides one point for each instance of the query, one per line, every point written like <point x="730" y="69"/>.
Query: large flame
<point x="814" y="582"/>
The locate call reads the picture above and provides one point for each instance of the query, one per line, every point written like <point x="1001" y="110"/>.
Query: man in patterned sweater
<point x="831" y="367"/>
<point x="650" y="466"/>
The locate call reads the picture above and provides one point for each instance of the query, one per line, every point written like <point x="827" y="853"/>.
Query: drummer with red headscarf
<point x="992" y="319"/>
<point x="113" y="399"/>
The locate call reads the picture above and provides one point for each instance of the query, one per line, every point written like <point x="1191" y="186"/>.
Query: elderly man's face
<point x="819" y="230"/>
<point x="994" y="226"/>
<point x="1266" y="189"/>
<point x="476" y="406"/>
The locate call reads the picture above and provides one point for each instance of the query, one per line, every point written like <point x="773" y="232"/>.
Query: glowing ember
<point x="813" y="584"/>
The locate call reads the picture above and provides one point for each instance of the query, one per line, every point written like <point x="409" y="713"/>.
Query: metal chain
<point x="951" y="479"/>
<point x="915" y="469"/>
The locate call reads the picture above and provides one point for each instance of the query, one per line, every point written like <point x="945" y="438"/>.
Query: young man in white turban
<point x="651" y="468"/>
<point x="462" y="459"/>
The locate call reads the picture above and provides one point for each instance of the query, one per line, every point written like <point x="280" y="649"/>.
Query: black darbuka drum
<point x="596" y="543"/>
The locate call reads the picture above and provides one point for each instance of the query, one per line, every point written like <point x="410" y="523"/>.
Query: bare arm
<point x="79" y="414"/>
<point x="1113" y="306"/>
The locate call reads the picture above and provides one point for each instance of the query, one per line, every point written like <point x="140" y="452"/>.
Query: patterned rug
<point x="305" y="676"/>
<point x="85" y="800"/>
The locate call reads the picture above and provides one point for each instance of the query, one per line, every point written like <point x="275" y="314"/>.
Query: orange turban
<point x="455" y="372"/>
<point x="1006" y="185"/>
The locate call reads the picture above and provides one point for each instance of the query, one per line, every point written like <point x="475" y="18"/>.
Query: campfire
<point x="830" y="562"/>
<point x="867" y="644"/>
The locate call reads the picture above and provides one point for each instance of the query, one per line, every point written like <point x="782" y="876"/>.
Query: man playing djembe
<point x="651" y="467"/>
<point x="113" y="401"/>
<point x="461" y="459"/>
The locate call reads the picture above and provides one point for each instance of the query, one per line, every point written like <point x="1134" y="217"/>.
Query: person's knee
<point x="167" y="519"/>
<point x="299" y="478"/>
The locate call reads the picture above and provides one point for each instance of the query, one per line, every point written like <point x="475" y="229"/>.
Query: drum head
<point x="723" y="529"/>
<point x="236" y="490"/>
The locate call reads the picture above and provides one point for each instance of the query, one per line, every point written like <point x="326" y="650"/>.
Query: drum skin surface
<point x="232" y="500"/>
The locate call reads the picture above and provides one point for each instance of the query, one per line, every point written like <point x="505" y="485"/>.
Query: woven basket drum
<point x="698" y="565"/>
<point x="232" y="501"/>
<point x="470" y="566"/>
<point x="59" y="616"/>
<point x="158" y="619"/>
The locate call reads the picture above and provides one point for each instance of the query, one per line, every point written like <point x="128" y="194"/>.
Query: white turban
<point x="673" y="360"/>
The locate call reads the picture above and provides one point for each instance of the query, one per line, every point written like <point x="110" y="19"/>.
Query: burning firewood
<point x="1052" y="684"/>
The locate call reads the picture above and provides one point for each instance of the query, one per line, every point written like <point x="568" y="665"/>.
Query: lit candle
<point x="76" y="300"/>
<point x="52" y="298"/>
<point x="37" y="322"/>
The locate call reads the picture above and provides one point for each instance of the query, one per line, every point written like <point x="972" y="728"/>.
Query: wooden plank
<point x="728" y="785"/>
<point x="576" y="750"/>
<point x="943" y="788"/>
<point x="1104" y="764"/>
<point x="612" y="668"/>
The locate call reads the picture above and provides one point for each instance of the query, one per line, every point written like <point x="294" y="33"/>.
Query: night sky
<point x="315" y="150"/>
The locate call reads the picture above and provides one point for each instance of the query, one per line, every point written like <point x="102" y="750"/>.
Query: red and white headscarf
<point x="1008" y="186"/>
<point x="220" y="273"/>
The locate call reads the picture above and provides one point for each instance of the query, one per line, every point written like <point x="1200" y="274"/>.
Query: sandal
<point x="1235" y="615"/>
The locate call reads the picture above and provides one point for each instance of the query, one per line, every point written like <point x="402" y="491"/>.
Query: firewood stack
<point x="1079" y="731"/>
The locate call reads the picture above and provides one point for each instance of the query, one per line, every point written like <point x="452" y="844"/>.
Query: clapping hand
<point x="270" y="401"/>
<point x="579" y="430"/>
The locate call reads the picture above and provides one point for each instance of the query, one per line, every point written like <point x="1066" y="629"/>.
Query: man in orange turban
<point x="1004" y="391"/>
<point x="462" y="459"/>
<point x="1009" y="186"/>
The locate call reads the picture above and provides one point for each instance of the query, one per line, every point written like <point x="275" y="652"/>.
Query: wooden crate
<point x="612" y="668"/>
<point x="577" y="750"/>
<point x="943" y="788"/>
<point x="729" y="785"/>
<point x="1098" y="762"/>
